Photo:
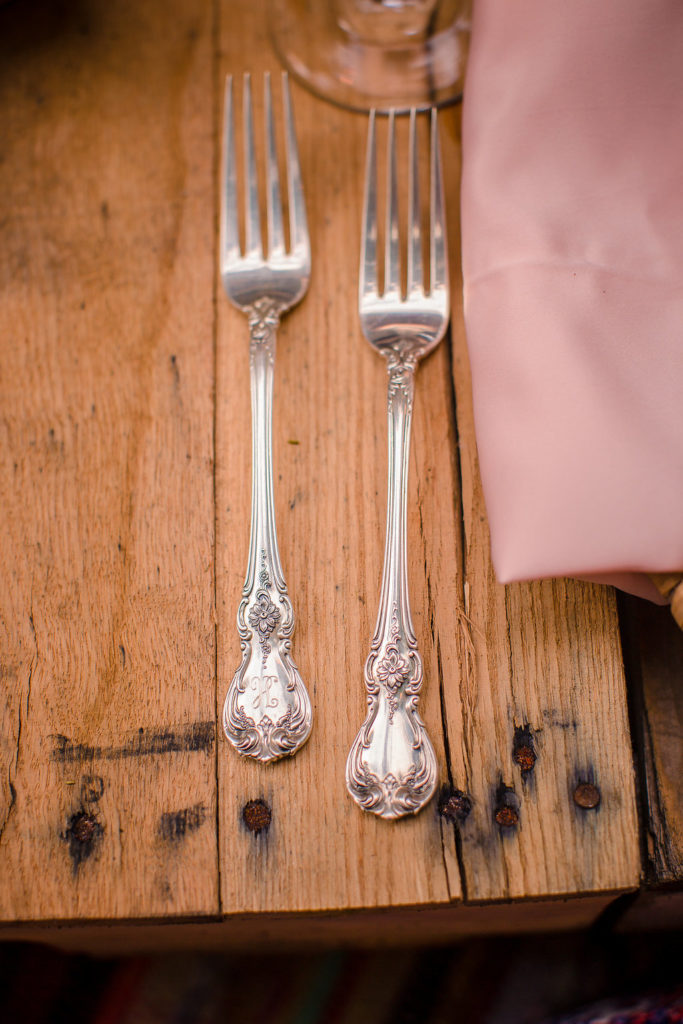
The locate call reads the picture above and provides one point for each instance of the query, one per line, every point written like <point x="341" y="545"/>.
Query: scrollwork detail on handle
<point x="391" y="769"/>
<point x="267" y="712"/>
<point x="263" y="318"/>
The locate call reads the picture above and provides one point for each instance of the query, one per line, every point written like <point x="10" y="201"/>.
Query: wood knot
<point x="587" y="796"/>
<point x="257" y="816"/>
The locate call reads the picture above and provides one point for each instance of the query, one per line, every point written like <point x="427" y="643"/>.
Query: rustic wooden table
<point x="125" y="818"/>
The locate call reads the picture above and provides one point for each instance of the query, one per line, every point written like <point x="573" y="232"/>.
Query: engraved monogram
<point x="262" y="685"/>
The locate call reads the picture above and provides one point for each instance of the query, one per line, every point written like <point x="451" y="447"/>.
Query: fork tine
<point x="392" y="265"/>
<point x="415" y="278"/>
<point x="298" y="228"/>
<point x="229" y="229"/>
<point x="253" y="245"/>
<point x="438" y="260"/>
<point x="368" y="242"/>
<point x="276" y="238"/>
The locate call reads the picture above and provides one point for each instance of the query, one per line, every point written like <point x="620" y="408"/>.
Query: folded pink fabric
<point x="572" y="221"/>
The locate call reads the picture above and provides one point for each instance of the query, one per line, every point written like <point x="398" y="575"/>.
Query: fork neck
<point x="394" y="599"/>
<point x="263" y="322"/>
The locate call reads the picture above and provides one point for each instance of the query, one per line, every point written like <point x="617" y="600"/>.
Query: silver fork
<point x="267" y="712"/>
<point x="391" y="769"/>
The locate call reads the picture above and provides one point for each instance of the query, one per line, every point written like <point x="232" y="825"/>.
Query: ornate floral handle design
<point x="391" y="769"/>
<point x="267" y="712"/>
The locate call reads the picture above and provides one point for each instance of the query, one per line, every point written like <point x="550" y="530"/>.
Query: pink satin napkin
<point x="572" y="221"/>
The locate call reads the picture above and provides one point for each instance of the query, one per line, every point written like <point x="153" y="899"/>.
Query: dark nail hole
<point x="257" y="816"/>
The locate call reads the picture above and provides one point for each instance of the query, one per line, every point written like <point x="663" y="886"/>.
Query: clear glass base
<point x="331" y="58"/>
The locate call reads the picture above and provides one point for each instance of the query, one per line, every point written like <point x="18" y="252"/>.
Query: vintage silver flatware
<point x="391" y="769"/>
<point x="267" y="712"/>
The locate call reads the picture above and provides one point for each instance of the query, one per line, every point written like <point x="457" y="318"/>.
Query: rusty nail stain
<point x="586" y="795"/>
<point x="505" y="806"/>
<point x="454" y="805"/>
<point x="83" y="834"/>
<point x="257" y="816"/>
<point x="507" y="817"/>
<point x="525" y="757"/>
<point x="84" y="828"/>
<point x="523" y="748"/>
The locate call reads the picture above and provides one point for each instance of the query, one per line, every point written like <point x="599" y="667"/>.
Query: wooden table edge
<point x="363" y="927"/>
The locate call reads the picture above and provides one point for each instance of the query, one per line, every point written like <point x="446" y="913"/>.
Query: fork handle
<point x="391" y="769"/>
<point x="267" y="712"/>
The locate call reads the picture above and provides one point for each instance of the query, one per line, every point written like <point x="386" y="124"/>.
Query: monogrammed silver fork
<point x="267" y="712"/>
<point x="391" y="769"/>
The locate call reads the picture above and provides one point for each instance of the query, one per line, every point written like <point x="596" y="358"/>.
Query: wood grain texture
<point x="107" y="763"/>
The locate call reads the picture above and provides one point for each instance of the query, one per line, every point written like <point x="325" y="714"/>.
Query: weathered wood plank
<point x="107" y="757"/>
<point x="543" y="704"/>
